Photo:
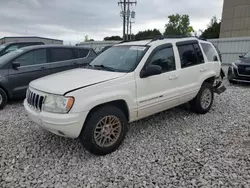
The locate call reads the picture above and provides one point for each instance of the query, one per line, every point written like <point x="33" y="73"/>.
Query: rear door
<point x="192" y="68"/>
<point x="62" y="59"/>
<point x="33" y="64"/>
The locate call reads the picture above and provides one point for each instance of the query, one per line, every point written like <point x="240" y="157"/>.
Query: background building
<point x="235" y="19"/>
<point x="30" y="39"/>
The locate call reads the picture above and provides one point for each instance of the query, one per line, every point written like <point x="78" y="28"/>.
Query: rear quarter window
<point x="81" y="53"/>
<point x="210" y="52"/>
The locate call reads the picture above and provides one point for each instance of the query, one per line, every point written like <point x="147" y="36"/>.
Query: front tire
<point x="3" y="99"/>
<point x="202" y="103"/>
<point x="230" y="76"/>
<point x="232" y="82"/>
<point x="104" y="130"/>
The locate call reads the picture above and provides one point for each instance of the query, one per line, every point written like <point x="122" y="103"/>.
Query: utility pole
<point x="125" y="4"/>
<point x="128" y="20"/>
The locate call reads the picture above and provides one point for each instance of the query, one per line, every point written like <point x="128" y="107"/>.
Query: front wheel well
<point x="121" y="104"/>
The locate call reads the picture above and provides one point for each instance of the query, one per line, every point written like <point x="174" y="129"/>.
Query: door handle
<point x="173" y="77"/>
<point x="43" y="68"/>
<point x="203" y="69"/>
<point x="74" y="63"/>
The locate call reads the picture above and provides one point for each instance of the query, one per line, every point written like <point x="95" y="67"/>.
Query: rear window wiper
<point x="104" y="67"/>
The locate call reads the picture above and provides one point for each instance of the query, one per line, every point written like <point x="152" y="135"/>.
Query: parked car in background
<point x="9" y="47"/>
<point x="239" y="71"/>
<point x="128" y="82"/>
<point x="23" y="65"/>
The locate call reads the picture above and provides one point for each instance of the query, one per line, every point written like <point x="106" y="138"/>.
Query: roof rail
<point x="201" y="38"/>
<point x="161" y="37"/>
<point x="146" y="38"/>
<point x="168" y="37"/>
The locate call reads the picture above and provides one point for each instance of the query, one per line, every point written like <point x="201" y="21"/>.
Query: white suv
<point x="127" y="82"/>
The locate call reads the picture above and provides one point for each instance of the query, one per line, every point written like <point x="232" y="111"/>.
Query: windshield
<point x="247" y="55"/>
<point x="120" y="58"/>
<point x="9" y="56"/>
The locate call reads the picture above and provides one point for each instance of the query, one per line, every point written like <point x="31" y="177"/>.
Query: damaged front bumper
<point x="219" y="86"/>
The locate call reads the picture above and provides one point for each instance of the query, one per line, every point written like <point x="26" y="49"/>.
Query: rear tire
<point x="3" y="99"/>
<point x="104" y="130"/>
<point x="202" y="103"/>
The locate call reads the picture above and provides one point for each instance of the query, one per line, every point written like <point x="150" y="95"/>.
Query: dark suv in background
<point x="239" y="71"/>
<point x="9" y="47"/>
<point x="23" y="65"/>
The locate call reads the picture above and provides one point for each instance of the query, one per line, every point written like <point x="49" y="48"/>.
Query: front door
<point x="33" y="65"/>
<point x="159" y="92"/>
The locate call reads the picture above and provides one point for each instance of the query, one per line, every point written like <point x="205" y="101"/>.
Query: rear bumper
<point x="219" y="86"/>
<point x="66" y="125"/>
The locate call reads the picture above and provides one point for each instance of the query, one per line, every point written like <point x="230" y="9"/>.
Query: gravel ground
<point x="175" y="148"/>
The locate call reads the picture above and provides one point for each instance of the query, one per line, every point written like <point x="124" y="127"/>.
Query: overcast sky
<point x="71" y="20"/>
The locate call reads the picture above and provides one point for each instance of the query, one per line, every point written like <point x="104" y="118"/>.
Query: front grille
<point x="35" y="100"/>
<point x="242" y="70"/>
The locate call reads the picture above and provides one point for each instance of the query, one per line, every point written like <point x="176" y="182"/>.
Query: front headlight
<point x="58" y="104"/>
<point x="234" y="65"/>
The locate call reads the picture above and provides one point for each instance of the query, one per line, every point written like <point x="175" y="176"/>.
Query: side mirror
<point x="15" y="65"/>
<point x="151" y="70"/>
<point x="241" y="56"/>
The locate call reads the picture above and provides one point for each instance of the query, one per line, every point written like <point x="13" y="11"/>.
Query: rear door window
<point x="61" y="54"/>
<point x="210" y="52"/>
<point x="188" y="55"/>
<point x="199" y="53"/>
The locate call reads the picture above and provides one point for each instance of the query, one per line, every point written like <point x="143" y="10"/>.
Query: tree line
<point x="177" y="25"/>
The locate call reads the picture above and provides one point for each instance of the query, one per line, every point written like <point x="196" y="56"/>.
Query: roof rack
<point x="146" y="38"/>
<point x="161" y="37"/>
<point x="168" y="37"/>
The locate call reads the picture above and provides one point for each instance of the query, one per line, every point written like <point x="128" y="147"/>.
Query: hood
<point x="63" y="82"/>
<point x="243" y="61"/>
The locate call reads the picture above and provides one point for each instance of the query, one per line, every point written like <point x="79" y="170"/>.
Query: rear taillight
<point x="220" y="57"/>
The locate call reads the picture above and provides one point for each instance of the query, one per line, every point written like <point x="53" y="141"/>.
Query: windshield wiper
<point x="104" y="67"/>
